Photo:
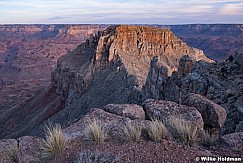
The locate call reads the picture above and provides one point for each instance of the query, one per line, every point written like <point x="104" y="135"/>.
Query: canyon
<point x="29" y="53"/>
<point x="123" y="74"/>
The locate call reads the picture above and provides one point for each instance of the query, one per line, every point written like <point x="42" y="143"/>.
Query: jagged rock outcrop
<point x="164" y="110"/>
<point x="220" y="82"/>
<point x="239" y="59"/>
<point x="110" y="67"/>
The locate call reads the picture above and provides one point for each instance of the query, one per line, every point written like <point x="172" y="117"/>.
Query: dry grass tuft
<point x="157" y="131"/>
<point x="130" y="132"/>
<point x="87" y="156"/>
<point x="208" y="140"/>
<point x="236" y="147"/>
<point x="54" y="142"/>
<point x="183" y="131"/>
<point x="95" y="133"/>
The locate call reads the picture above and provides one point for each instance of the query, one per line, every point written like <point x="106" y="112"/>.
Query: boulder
<point x="109" y="121"/>
<point x="239" y="59"/>
<point x="6" y="145"/>
<point x="213" y="114"/>
<point x="131" y="111"/>
<point x="163" y="110"/>
<point x="239" y="127"/>
<point x="29" y="149"/>
<point x="233" y="139"/>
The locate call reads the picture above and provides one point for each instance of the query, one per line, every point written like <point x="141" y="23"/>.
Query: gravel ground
<point x="146" y="151"/>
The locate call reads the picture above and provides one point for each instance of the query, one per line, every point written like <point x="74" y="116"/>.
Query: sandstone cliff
<point x="111" y="67"/>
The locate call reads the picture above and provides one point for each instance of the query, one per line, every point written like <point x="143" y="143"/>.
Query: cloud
<point x="232" y="9"/>
<point x="56" y="18"/>
<point x="117" y="11"/>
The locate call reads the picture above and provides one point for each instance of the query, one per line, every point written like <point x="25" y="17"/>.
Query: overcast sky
<point x="120" y="11"/>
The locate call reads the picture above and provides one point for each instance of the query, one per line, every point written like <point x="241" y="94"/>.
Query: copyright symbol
<point x="197" y="158"/>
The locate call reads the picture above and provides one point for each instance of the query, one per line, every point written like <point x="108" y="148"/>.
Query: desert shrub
<point x="54" y="142"/>
<point x="130" y="132"/>
<point x="156" y="131"/>
<point x="236" y="146"/>
<point x="87" y="156"/>
<point x="183" y="131"/>
<point x="13" y="154"/>
<point x="208" y="139"/>
<point x="95" y="133"/>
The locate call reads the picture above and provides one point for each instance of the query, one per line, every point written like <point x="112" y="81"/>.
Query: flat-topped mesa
<point x="137" y="45"/>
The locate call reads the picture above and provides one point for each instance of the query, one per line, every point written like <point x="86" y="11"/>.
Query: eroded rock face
<point x="164" y="110"/>
<point x="111" y="67"/>
<point x="213" y="114"/>
<point x="136" y="46"/>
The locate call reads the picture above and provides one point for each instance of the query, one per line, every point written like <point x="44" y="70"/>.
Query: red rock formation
<point x="109" y="68"/>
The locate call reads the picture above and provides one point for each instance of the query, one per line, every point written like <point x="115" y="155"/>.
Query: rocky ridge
<point x="101" y="71"/>
<point x="111" y="67"/>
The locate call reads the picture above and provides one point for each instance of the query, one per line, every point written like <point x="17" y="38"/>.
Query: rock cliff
<point x="110" y="67"/>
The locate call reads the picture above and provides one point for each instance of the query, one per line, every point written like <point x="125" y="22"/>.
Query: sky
<point x="121" y="11"/>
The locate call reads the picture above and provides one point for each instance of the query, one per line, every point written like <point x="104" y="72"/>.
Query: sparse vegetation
<point x="157" y="131"/>
<point x="95" y="133"/>
<point x="236" y="147"/>
<point x="13" y="154"/>
<point x="87" y="156"/>
<point x="130" y="132"/>
<point x="208" y="140"/>
<point x="54" y="142"/>
<point x="183" y="131"/>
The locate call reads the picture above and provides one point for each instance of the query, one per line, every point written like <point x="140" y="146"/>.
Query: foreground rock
<point x="111" y="122"/>
<point x="221" y="83"/>
<point x="213" y="114"/>
<point x="127" y="110"/>
<point x="6" y="145"/>
<point x="164" y="110"/>
<point x="233" y="140"/>
<point x="26" y="149"/>
<point x="29" y="149"/>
